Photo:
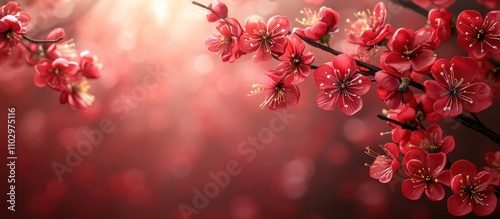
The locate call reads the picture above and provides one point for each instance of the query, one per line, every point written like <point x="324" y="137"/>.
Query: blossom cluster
<point x="416" y="85"/>
<point x="57" y="63"/>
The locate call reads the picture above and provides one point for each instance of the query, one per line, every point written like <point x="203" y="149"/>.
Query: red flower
<point x="264" y="39"/>
<point x="480" y="38"/>
<point x="426" y="174"/>
<point x="54" y="73"/>
<point x="407" y="115"/>
<point x="493" y="162"/>
<point x="454" y="87"/>
<point x="75" y="94"/>
<point x="12" y="8"/>
<point x="11" y="31"/>
<point x="370" y="29"/>
<point x="278" y="94"/>
<point x="383" y="167"/>
<point x="220" y="10"/>
<point x="392" y="91"/>
<point x="440" y="20"/>
<point x="13" y="24"/>
<point x="318" y="24"/>
<point x="426" y="106"/>
<point x="410" y="51"/>
<point x="431" y="140"/>
<point x="294" y="67"/>
<point x="471" y="189"/>
<point x="341" y="85"/>
<point x="89" y="66"/>
<point x="226" y="42"/>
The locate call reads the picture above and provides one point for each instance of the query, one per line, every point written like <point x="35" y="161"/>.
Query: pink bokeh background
<point x="166" y="139"/>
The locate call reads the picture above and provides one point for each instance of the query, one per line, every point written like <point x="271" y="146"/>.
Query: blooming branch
<point x="414" y="84"/>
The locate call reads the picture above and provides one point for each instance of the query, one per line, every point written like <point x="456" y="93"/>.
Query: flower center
<point x="408" y="53"/>
<point x="57" y="71"/>
<point x="433" y="148"/>
<point x="9" y="34"/>
<point x="428" y="179"/>
<point x="342" y="86"/>
<point x="295" y="59"/>
<point x="480" y="35"/>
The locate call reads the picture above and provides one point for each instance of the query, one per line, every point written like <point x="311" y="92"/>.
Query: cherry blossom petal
<point x="412" y="189"/>
<point x="457" y="207"/>
<point x="349" y="104"/>
<point x="434" y="192"/>
<point x="327" y="100"/>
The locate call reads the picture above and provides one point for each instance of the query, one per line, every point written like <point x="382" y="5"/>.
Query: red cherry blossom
<point x="426" y="105"/>
<point x="441" y="20"/>
<point x="431" y="140"/>
<point x="11" y="31"/>
<point x="12" y="8"/>
<point x="472" y="192"/>
<point x="426" y="174"/>
<point x="279" y="95"/>
<point x="75" y="94"/>
<point x="54" y="73"/>
<point x="264" y="39"/>
<point x="341" y="85"/>
<point x="89" y="66"/>
<point x="370" y="29"/>
<point x="226" y="42"/>
<point x="454" y="87"/>
<point x="410" y="51"/>
<point x="219" y="11"/>
<point x="317" y="24"/>
<point x="407" y="115"/>
<point x="384" y="166"/>
<point x="13" y="24"/>
<point x="391" y="90"/>
<point x="477" y="36"/>
<point x="294" y="67"/>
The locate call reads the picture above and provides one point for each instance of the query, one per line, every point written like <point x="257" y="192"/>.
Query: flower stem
<point x="404" y="126"/>
<point x="211" y="10"/>
<point x="41" y="41"/>
<point x="494" y="62"/>
<point x="477" y="126"/>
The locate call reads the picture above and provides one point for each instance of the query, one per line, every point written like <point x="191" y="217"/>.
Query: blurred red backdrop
<point x="164" y="140"/>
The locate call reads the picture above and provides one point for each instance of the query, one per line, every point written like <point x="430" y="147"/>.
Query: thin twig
<point x="476" y="118"/>
<point x="211" y="10"/>
<point x="404" y="126"/>
<point x="41" y="41"/>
